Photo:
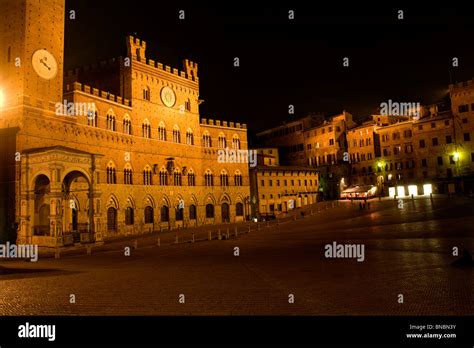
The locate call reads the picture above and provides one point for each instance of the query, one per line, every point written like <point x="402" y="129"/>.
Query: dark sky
<point x="286" y="62"/>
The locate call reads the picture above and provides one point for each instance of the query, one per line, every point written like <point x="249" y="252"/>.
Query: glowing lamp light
<point x="455" y="155"/>
<point x="391" y="191"/>
<point x="401" y="191"/>
<point x="413" y="190"/>
<point x="427" y="189"/>
<point x="379" y="164"/>
<point x="2" y="98"/>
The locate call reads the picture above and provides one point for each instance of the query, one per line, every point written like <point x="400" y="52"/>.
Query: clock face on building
<point x="45" y="64"/>
<point x="168" y="97"/>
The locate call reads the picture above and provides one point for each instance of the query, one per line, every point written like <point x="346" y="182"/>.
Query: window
<point x="331" y="142"/>
<point x="147" y="176"/>
<point x="187" y="105"/>
<point x="270" y="182"/>
<point x="446" y="122"/>
<point x="176" y="135"/>
<point x="209" y="211"/>
<point x="236" y="143"/>
<point x="127" y="176"/>
<point x="239" y="209"/>
<point x="111" y="175"/>
<point x="467" y="137"/>
<point x="464" y="120"/>
<point x="146" y="129"/>
<point x="449" y="173"/>
<point x="177" y="178"/>
<point x="206" y="138"/>
<point x="165" y="214"/>
<point x="440" y="161"/>
<point x="224" y="179"/>
<point x="330" y="129"/>
<point x="163" y="177"/>
<point x="449" y="139"/>
<point x="127" y="125"/>
<point x="399" y="165"/>
<point x="162" y="132"/>
<point x="278" y="182"/>
<point x="435" y="141"/>
<point x="192" y="212"/>
<point x="451" y="159"/>
<point x="189" y="137"/>
<point x="397" y="150"/>
<point x="285" y="182"/>
<point x="148" y="215"/>
<point x="129" y="216"/>
<point x="179" y="213"/>
<point x="111" y="122"/>
<point x="420" y="127"/>
<point x="299" y="182"/>
<point x="386" y="152"/>
<point x="191" y="179"/>
<point x="422" y="143"/>
<point x="209" y="179"/>
<point x="146" y="93"/>
<point x="433" y="125"/>
<point x="463" y="108"/>
<point x="221" y="141"/>
<point x="92" y="118"/>
<point x="262" y="183"/>
<point x="238" y="179"/>
<point x="424" y="163"/>
<point x="396" y="136"/>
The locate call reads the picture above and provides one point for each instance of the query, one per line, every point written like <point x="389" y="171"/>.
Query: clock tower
<point x="31" y="51"/>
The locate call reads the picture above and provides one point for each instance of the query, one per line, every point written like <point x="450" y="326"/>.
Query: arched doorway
<point x="225" y="212"/>
<point x="78" y="209"/>
<point x="42" y="209"/>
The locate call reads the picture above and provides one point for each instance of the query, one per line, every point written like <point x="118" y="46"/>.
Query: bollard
<point x="228" y="234"/>
<point x="89" y="250"/>
<point x="135" y="244"/>
<point x="193" y="237"/>
<point x="219" y="234"/>
<point x="176" y="238"/>
<point x="158" y="242"/>
<point x="209" y="235"/>
<point x="249" y="228"/>
<point x="236" y="231"/>
<point x="412" y="197"/>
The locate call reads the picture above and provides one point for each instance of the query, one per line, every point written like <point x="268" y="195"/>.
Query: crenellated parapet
<point x="79" y="87"/>
<point x="223" y="124"/>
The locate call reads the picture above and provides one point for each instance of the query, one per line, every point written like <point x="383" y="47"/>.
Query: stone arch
<point x="209" y="198"/>
<point x="149" y="200"/>
<point x="113" y="202"/>
<point x="225" y="198"/>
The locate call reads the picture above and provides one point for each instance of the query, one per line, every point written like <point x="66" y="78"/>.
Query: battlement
<point x="184" y="74"/>
<point x="76" y="86"/>
<point x="137" y="42"/>
<point x="461" y="85"/>
<point x="225" y="124"/>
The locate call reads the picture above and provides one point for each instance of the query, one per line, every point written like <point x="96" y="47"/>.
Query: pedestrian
<point x="360" y="205"/>
<point x="368" y="205"/>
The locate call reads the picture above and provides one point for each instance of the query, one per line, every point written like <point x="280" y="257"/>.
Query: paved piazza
<point x="407" y="251"/>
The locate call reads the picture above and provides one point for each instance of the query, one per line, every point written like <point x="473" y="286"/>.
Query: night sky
<point x="286" y="62"/>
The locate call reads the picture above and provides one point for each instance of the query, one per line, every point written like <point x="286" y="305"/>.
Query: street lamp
<point x="456" y="156"/>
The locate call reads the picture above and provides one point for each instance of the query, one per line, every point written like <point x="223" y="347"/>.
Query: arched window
<point x="187" y="105"/>
<point x="146" y="129"/>
<point x="208" y="178"/>
<point x="147" y="176"/>
<point x="224" y="179"/>
<point x="127" y="175"/>
<point x="221" y="141"/>
<point x="111" y="219"/>
<point x="146" y="93"/>
<point x="239" y="209"/>
<point x="162" y="131"/>
<point x="179" y="213"/>
<point x="111" y="174"/>
<point x="237" y="179"/>
<point x="192" y="212"/>
<point x="129" y="219"/>
<point x="111" y="121"/>
<point x="92" y="118"/>
<point x="163" y="177"/>
<point x="176" y="135"/>
<point x="189" y="137"/>
<point x="191" y="179"/>
<point x="209" y="211"/>
<point x="177" y="178"/>
<point x="165" y="214"/>
<point x="206" y="139"/>
<point x="127" y="124"/>
<point x="236" y="142"/>
<point x="149" y="215"/>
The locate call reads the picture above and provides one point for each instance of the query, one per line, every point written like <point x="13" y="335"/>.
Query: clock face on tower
<point x="168" y="97"/>
<point x="45" y="64"/>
